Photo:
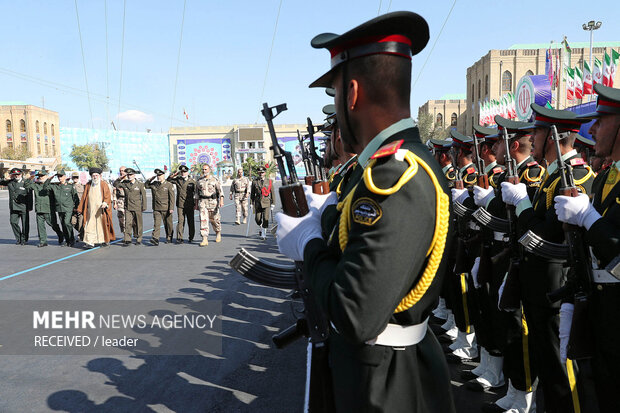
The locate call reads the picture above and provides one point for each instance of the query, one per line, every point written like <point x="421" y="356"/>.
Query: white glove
<point x="482" y="196"/>
<point x="459" y="194"/>
<point x="319" y="201"/>
<point x="474" y="272"/>
<point x="294" y="233"/>
<point x="513" y="194"/>
<point x="577" y="211"/>
<point x="104" y="205"/>
<point x="566" y="320"/>
<point x="273" y="207"/>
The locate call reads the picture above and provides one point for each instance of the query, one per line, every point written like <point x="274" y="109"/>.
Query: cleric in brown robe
<point x="95" y="206"/>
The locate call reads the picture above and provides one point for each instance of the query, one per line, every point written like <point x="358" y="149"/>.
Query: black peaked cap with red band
<point x="513" y="127"/>
<point x="440" y="145"/>
<point x="400" y="33"/>
<point x="607" y="102"/>
<point x="564" y="120"/>
<point x="583" y="142"/>
<point x="461" y="141"/>
<point x="486" y="135"/>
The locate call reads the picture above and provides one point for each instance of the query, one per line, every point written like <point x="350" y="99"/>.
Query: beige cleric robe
<point x="97" y="225"/>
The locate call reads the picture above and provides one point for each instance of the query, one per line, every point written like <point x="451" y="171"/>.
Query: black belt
<point x="212" y="196"/>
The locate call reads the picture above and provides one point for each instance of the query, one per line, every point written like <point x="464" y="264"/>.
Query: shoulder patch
<point x="366" y="211"/>
<point x="577" y="161"/>
<point x="497" y="170"/>
<point x="471" y="170"/>
<point x="388" y="150"/>
<point x="533" y="163"/>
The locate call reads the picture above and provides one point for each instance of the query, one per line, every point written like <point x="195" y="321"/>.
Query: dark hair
<point x="386" y="79"/>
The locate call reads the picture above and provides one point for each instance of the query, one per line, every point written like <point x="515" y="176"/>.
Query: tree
<point x="426" y="125"/>
<point x="90" y="155"/>
<point x="253" y="165"/>
<point x="19" y="153"/>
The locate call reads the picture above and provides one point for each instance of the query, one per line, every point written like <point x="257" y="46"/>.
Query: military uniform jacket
<point x="450" y="174"/>
<point x="336" y="178"/>
<point x="65" y="196"/>
<point x="43" y="197"/>
<point x="240" y="186"/>
<point x="359" y="287"/>
<point x="162" y="195"/>
<point x="185" y="191"/>
<point x="541" y="275"/>
<point x="210" y="190"/>
<point x="494" y="173"/>
<point x="135" y="194"/>
<point x="262" y="193"/>
<point x="79" y="188"/>
<point x="604" y="235"/>
<point x="18" y="195"/>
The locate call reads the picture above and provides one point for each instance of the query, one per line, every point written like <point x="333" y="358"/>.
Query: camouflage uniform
<point x="76" y="218"/>
<point x="120" y="207"/>
<point x="240" y="188"/>
<point x="208" y="194"/>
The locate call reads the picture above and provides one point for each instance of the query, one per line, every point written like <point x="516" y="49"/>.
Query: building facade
<point x="30" y="127"/>
<point x="499" y="72"/>
<point x="448" y="112"/>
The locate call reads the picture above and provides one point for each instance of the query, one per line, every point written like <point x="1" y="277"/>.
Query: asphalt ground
<point x="250" y="375"/>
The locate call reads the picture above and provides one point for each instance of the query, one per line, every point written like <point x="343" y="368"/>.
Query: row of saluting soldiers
<point x="538" y="321"/>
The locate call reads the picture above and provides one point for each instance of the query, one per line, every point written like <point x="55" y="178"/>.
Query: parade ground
<point x="250" y="374"/>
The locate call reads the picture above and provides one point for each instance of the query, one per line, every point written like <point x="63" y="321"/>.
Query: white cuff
<point x="522" y="205"/>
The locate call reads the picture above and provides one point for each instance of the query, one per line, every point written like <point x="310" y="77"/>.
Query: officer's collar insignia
<point x="366" y="211"/>
<point x="388" y="150"/>
<point x="471" y="170"/>
<point x="533" y="163"/>
<point x="577" y="161"/>
<point x="497" y="170"/>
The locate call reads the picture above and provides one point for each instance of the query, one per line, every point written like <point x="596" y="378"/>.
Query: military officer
<point x="76" y="219"/>
<point x="441" y="152"/>
<point x="540" y="275"/>
<point x="135" y="205"/>
<point x="162" y="193"/>
<point x="43" y="207"/>
<point x="209" y="200"/>
<point x="262" y="198"/>
<point x="487" y="137"/>
<point x="371" y="275"/>
<point x="118" y="199"/>
<point x="240" y="190"/>
<point x="186" y="187"/>
<point x="340" y="160"/>
<point x="66" y="201"/>
<point x="601" y="223"/>
<point x="19" y="205"/>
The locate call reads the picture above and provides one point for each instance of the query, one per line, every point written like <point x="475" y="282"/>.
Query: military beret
<point x="564" y="120"/>
<point x="402" y="34"/>
<point x="461" y="141"/>
<point x="61" y="172"/>
<point x="159" y="172"/>
<point x="183" y="168"/>
<point x="95" y="171"/>
<point x="607" y="102"/>
<point x="75" y="175"/>
<point x="15" y="171"/>
<point x="130" y="171"/>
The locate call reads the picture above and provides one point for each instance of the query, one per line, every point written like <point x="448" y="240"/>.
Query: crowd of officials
<point x="85" y="212"/>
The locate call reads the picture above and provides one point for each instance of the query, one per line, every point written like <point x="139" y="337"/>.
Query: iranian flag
<point x="578" y="84"/>
<point x="549" y="66"/>
<point x="613" y="67"/>
<point x="587" y="79"/>
<point x="606" y="69"/>
<point x="597" y="74"/>
<point x="570" y="84"/>
<point x="566" y="52"/>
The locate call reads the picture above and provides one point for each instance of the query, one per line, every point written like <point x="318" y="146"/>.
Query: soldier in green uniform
<point x="18" y="205"/>
<point x="43" y="207"/>
<point x="162" y="193"/>
<point x="601" y="223"/>
<point x="538" y="275"/>
<point x="135" y="205"/>
<point x="377" y="276"/>
<point x="339" y="159"/>
<point x="262" y="198"/>
<point x="441" y="152"/>
<point x="118" y="200"/>
<point x="186" y="187"/>
<point x="66" y="201"/>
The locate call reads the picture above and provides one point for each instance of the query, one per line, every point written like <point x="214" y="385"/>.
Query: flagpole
<point x="591" y="26"/>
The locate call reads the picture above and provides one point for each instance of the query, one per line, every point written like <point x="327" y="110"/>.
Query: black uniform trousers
<point x="261" y="216"/>
<point x="21" y="235"/>
<point x="183" y="215"/>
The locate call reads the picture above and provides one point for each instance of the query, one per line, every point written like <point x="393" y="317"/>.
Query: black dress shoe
<point x="475" y="385"/>
<point x="180" y="241"/>
<point x="18" y="242"/>
<point x="452" y="359"/>
<point x="105" y="244"/>
<point x="126" y="243"/>
<point x="167" y="241"/>
<point x="138" y="242"/>
<point x="153" y="241"/>
<point x="41" y="245"/>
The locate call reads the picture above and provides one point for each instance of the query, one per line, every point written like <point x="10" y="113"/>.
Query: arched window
<point x="507" y="81"/>
<point x="453" y="119"/>
<point x="439" y="120"/>
<point x="36" y="126"/>
<point x="479" y="88"/>
<point x="9" y="127"/>
<point x="529" y="73"/>
<point x="52" y="129"/>
<point x="486" y="85"/>
<point x="472" y="92"/>
<point x="45" y="128"/>
<point x="22" y="125"/>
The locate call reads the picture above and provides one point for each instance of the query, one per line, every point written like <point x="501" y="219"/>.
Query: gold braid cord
<point x="442" y="223"/>
<point x="551" y="189"/>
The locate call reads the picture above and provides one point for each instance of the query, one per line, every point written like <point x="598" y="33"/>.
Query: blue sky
<point x="225" y="50"/>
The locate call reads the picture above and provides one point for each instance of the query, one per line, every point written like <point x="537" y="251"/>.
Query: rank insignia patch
<point x="366" y="211"/>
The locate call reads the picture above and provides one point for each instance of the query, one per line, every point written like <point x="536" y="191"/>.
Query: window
<point x="25" y="145"/>
<point x="9" y="144"/>
<point x="251" y="145"/>
<point x="52" y="129"/>
<point x="22" y="125"/>
<point x="486" y="85"/>
<point x="439" y="120"/>
<point x="260" y="145"/>
<point x="453" y="119"/>
<point x="507" y="81"/>
<point x="9" y="128"/>
<point x="47" y="149"/>
<point x="472" y="121"/>
<point x="38" y="147"/>
<point x="529" y="73"/>
<point x="472" y="92"/>
<point x="36" y="127"/>
<point x="44" y="128"/>
<point x="479" y="88"/>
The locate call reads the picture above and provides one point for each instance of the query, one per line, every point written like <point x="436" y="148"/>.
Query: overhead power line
<point x="176" y="76"/>
<point x="120" y="82"/>
<point x="273" y="39"/>
<point x="84" y="63"/>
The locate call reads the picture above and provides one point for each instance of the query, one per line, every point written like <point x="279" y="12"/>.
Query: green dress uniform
<point x="186" y="188"/>
<point x="20" y="203"/>
<point x="262" y="199"/>
<point x="336" y="178"/>
<point x="135" y="205"/>
<point x="539" y="276"/>
<point x="45" y="211"/>
<point x="163" y="202"/>
<point x="66" y="201"/>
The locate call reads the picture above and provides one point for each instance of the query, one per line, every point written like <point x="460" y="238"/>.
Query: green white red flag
<point x="597" y="74"/>
<point x="587" y="79"/>
<point x="578" y="84"/>
<point x="570" y="83"/>
<point x="610" y="68"/>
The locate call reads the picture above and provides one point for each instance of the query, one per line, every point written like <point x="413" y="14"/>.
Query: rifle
<point x="483" y="178"/>
<point x="320" y="184"/>
<point x="486" y="265"/>
<point x="306" y="159"/>
<point x="511" y="296"/>
<point x="579" y="277"/>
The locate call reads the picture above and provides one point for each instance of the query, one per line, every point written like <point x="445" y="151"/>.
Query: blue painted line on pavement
<point x="74" y="255"/>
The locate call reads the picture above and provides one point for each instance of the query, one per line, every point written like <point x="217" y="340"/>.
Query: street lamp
<point x="591" y="26"/>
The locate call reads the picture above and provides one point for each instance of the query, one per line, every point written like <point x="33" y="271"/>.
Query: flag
<point x="614" y="67"/>
<point x="480" y="114"/>
<point x="597" y="75"/>
<point x="587" y="79"/>
<point x="606" y="69"/>
<point x="570" y="83"/>
<point x="185" y="114"/>
<point x="578" y="84"/>
<point x="513" y="109"/>
<point x="566" y="52"/>
<point x="556" y="74"/>
<point x="549" y="66"/>
<point x="548" y="105"/>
